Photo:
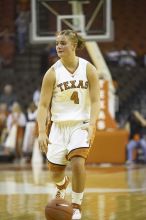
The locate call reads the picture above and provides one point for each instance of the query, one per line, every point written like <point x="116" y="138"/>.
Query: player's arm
<point x="94" y="89"/>
<point x="44" y="107"/>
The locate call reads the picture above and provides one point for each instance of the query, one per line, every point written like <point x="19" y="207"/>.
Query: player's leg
<point x="78" y="184"/>
<point x="78" y="174"/>
<point x="78" y="152"/>
<point x="56" y="156"/>
<point x="61" y="181"/>
<point x="57" y="172"/>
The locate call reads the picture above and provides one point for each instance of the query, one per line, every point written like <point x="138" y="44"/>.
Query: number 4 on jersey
<point x="74" y="97"/>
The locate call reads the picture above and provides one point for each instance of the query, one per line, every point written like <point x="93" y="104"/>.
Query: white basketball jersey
<point x="70" y="100"/>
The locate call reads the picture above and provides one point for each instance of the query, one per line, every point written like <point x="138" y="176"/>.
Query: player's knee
<point x="56" y="168"/>
<point x="56" y="171"/>
<point x="77" y="163"/>
<point x="79" y="152"/>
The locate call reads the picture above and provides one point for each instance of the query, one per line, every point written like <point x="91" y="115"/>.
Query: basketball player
<point x="70" y="93"/>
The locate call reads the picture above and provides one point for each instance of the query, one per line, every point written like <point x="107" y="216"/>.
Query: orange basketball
<point x="58" y="209"/>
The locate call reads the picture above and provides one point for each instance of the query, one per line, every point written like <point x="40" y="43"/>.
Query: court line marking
<point x="10" y="187"/>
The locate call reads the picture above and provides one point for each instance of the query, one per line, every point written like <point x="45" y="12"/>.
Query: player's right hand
<point x="43" y="142"/>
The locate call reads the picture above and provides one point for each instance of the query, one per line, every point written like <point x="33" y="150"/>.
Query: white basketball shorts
<point x="68" y="139"/>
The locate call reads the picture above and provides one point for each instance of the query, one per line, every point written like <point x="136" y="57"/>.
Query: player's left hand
<point x="91" y="133"/>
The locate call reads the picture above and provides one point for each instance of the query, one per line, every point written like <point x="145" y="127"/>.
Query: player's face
<point x="64" y="46"/>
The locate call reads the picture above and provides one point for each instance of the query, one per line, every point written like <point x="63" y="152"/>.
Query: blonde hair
<point x="74" y="37"/>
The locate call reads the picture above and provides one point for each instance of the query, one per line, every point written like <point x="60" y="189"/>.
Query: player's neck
<point x="70" y="62"/>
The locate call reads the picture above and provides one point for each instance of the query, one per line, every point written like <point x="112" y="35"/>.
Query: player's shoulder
<point x="91" y="68"/>
<point x="50" y="74"/>
<point x="88" y="63"/>
<point x="51" y="70"/>
<point x="92" y="71"/>
<point x="82" y="60"/>
<point x="57" y="65"/>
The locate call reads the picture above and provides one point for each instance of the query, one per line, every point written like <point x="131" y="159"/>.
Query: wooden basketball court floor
<point x="112" y="193"/>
